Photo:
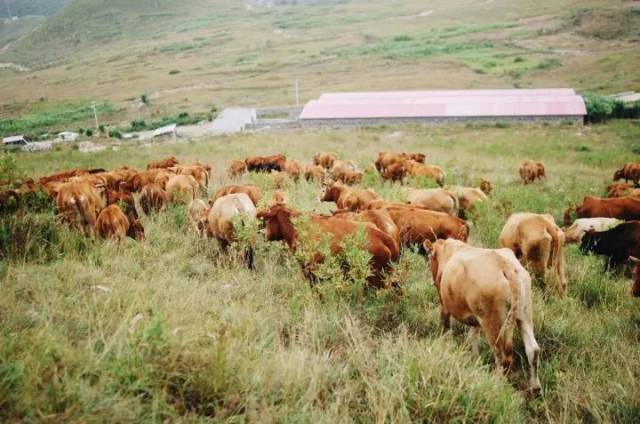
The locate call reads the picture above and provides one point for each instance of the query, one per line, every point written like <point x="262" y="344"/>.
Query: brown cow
<point x="65" y="175"/>
<point x="619" y="189"/>
<point x="537" y="241"/>
<point x="325" y="159"/>
<point x="113" y="224"/>
<point x="531" y="171"/>
<point x="351" y="198"/>
<point x="163" y="163"/>
<point x="486" y="288"/>
<point x="199" y="172"/>
<point x="237" y="168"/>
<point x="315" y="173"/>
<point x="378" y="217"/>
<point x="153" y="198"/>
<point x="626" y="208"/>
<point x="395" y="172"/>
<point x="382" y="247"/>
<point x="486" y="186"/>
<point x="386" y="159"/>
<point x="417" y="169"/>
<point x="279" y="197"/>
<point x="125" y="200"/>
<point x="349" y="177"/>
<point x="416" y="225"/>
<point x="79" y="204"/>
<point x="137" y="181"/>
<point x="629" y="172"/>
<point x="251" y="190"/>
<point x="341" y="167"/>
<point x="182" y="188"/>
<point x="266" y="163"/>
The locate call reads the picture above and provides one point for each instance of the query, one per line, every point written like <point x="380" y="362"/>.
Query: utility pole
<point x="297" y="93"/>
<point x="95" y="115"/>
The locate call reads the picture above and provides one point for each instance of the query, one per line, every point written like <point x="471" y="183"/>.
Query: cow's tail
<point x="84" y="214"/>
<point x="509" y="324"/>
<point x="567" y="216"/>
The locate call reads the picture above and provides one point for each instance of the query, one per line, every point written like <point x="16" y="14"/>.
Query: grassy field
<point x="191" y="55"/>
<point x="172" y="329"/>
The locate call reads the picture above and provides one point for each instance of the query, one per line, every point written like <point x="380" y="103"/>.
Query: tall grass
<point x="174" y="329"/>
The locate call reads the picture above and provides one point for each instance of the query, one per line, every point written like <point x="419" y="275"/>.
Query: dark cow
<point x="617" y="244"/>
<point x="626" y="208"/>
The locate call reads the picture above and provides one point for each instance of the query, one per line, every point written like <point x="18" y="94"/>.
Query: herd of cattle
<point x="488" y="289"/>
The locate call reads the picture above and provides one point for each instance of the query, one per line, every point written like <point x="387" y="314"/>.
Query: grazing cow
<point x="341" y="167"/>
<point x="221" y="217"/>
<point x="635" y="288"/>
<point x="79" y="204"/>
<point x="182" y="188"/>
<point x="417" y="169"/>
<point x="65" y="175"/>
<point x="386" y="159"/>
<point x="619" y="189"/>
<point x="125" y="200"/>
<point x="96" y="180"/>
<point x="467" y="197"/>
<point x="113" y="179"/>
<point x="237" y="168"/>
<point x="394" y="172"/>
<point x="486" y="186"/>
<point x="382" y="247"/>
<point x="350" y="198"/>
<point x="378" y="217"/>
<point x="437" y="199"/>
<point x="168" y="162"/>
<point x="325" y="159"/>
<point x="199" y="172"/>
<point x="349" y="177"/>
<point x="197" y="213"/>
<point x="626" y="208"/>
<point x="617" y="244"/>
<point x="280" y="179"/>
<point x="251" y="190"/>
<point x="266" y="163"/>
<point x="531" y="171"/>
<point x="137" y="181"/>
<point x="113" y="224"/>
<point x="153" y="198"/>
<point x="490" y="289"/>
<point x="416" y="225"/>
<point x="537" y="241"/>
<point x="279" y="197"/>
<point x="293" y="169"/>
<point x="315" y="173"/>
<point x="581" y="226"/>
<point x="629" y="172"/>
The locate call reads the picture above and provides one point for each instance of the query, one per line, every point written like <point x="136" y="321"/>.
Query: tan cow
<point x="468" y="197"/>
<point x="378" y="217"/>
<point x="325" y="159"/>
<point x="199" y="172"/>
<point x="251" y="190"/>
<point x="417" y="169"/>
<point x="182" y="188"/>
<point x="538" y="242"/>
<point x="531" y="171"/>
<point x="79" y="204"/>
<point x="237" y="168"/>
<point x="197" y="214"/>
<point x="486" y="288"/>
<point x="293" y="169"/>
<point x="581" y="226"/>
<point x="437" y="199"/>
<point x="315" y="173"/>
<point x="221" y="217"/>
<point x="386" y="159"/>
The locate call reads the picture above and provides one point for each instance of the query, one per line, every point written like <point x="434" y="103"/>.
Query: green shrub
<point x="115" y="134"/>
<point x="599" y="108"/>
<point x="138" y="125"/>
<point x="174" y="72"/>
<point x="89" y="132"/>
<point x="144" y="99"/>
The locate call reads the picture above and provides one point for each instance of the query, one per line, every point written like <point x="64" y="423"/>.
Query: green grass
<point x="187" y="333"/>
<point x="48" y="117"/>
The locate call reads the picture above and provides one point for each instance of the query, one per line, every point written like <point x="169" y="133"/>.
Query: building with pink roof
<point x="365" y="108"/>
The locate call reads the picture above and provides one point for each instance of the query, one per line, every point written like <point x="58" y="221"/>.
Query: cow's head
<point x="418" y="157"/>
<point x="278" y="224"/>
<point x="332" y="193"/>
<point x="136" y="230"/>
<point x="590" y="242"/>
<point x="433" y="251"/>
<point x="618" y="175"/>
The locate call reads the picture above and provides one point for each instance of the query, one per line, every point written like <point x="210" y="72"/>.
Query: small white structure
<point x="90" y="147"/>
<point x="40" y="146"/>
<point x="68" y="136"/>
<point x="15" y="140"/>
<point x="169" y="131"/>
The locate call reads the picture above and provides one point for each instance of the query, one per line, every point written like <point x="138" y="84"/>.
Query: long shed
<point x="439" y="106"/>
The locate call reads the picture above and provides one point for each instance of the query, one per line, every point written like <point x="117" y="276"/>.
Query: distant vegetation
<point x="51" y="118"/>
<point x="183" y="118"/>
<point x="601" y="108"/>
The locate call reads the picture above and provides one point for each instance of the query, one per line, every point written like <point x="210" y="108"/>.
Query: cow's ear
<point x="428" y="247"/>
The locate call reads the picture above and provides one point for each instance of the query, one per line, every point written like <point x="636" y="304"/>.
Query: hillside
<point x="192" y="54"/>
<point x="10" y="8"/>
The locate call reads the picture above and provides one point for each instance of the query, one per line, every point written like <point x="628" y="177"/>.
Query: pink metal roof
<point x="445" y="103"/>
